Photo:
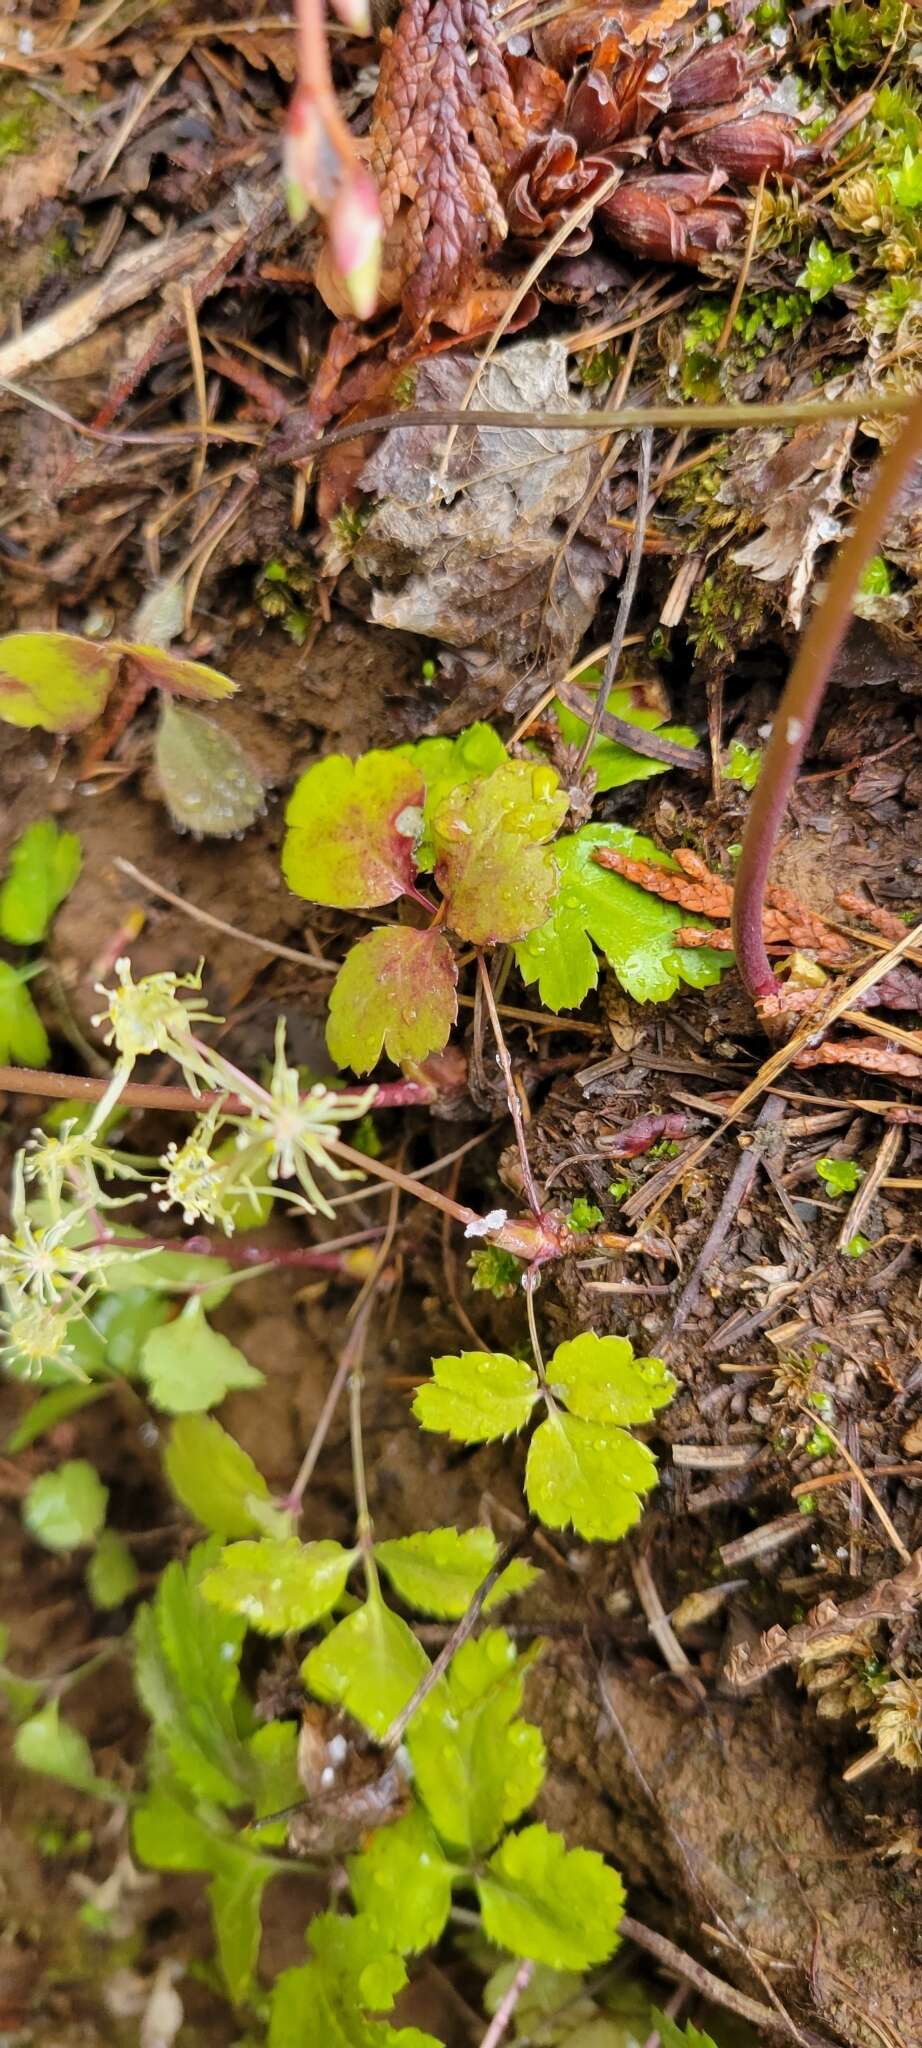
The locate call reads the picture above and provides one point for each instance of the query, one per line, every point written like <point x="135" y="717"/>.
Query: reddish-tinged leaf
<point x="55" y="680"/>
<point x="177" y="677"/>
<point x="492" y="866"/>
<point x="396" y="992"/>
<point x="352" y="830"/>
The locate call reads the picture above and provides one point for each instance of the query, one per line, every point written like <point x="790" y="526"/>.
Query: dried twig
<point x="889" y="1600"/>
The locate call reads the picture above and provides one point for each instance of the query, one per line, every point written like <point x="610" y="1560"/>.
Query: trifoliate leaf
<point x="562" y="1906"/>
<point x="111" y="1575"/>
<point x="371" y="1664"/>
<point x="476" y="1765"/>
<point x="600" y="1379"/>
<point x="186" y="1670"/>
<point x="235" y="1895"/>
<point x="279" y="1584"/>
<point x="66" y="1508"/>
<point x="23" y="1038"/>
<point x="327" y="2001"/>
<point x="44" y="865"/>
<point x="396" y="991"/>
<point x="447" y="764"/>
<point x="207" y="782"/>
<point x="352" y="829"/>
<point x="217" y="1480"/>
<point x="632" y="929"/>
<point x="477" y="1396"/>
<point x="46" y="1743"/>
<point x="493" y="865"/>
<point x="579" y="1473"/>
<point x="438" y="1571"/>
<point x="840" y="1176"/>
<point x="614" y="763"/>
<point x="55" y="680"/>
<point x="402" y="1882"/>
<point x="189" y="1366"/>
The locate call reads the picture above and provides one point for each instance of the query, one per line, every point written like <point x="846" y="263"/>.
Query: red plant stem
<point x="800" y="703"/>
<point x="153" y="1095"/>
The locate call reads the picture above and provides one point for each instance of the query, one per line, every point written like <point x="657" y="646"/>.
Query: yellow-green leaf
<point x="352" y="830"/>
<point x="55" y="680"/>
<point x="397" y="992"/>
<point x="493" y="865"/>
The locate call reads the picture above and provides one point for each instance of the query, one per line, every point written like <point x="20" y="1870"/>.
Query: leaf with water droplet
<point x="207" y="782"/>
<point x="371" y="1664"/>
<point x="477" y="1765"/>
<point x="56" y="681"/>
<point x="450" y="764"/>
<point x="344" y="845"/>
<point x="600" y="1379"/>
<point x="402" y="1881"/>
<point x="558" y="1905"/>
<point x="581" y="1474"/>
<point x="395" y="992"/>
<point x="634" y="930"/>
<point x="477" y="1397"/>
<point x="438" y="1571"/>
<point x="279" y="1584"/>
<point x="493" y="864"/>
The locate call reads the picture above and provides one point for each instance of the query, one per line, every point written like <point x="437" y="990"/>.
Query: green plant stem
<point x="800" y="703"/>
<point x="350" y="1356"/>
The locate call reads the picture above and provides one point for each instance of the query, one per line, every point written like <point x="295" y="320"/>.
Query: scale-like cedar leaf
<point x="477" y="1396"/>
<point x="493" y="864"/>
<point x="632" y="929"/>
<point x="438" y="1571"/>
<point x="561" y="1906"/>
<point x="582" y="1474"/>
<point x="279" y="1584"/>
<point x="396" y="991"/>
<point x="614" y="763"/>
<point x="352" y="830"/>
<point x="600" y="1379"/>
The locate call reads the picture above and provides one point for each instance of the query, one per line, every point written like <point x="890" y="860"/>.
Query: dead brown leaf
<point x="25" y="181"/>
<point x="799" y="482"/>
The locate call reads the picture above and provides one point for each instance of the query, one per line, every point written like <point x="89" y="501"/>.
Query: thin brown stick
<point x="661" y="1628"/>
<point x="219" y="924"/>
<point x="512" y="1097"/>
<point x="503" y="2016"/>
<point x="679" y="1964"/>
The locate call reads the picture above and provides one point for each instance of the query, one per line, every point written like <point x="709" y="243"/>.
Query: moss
<point x="17" y="130"/>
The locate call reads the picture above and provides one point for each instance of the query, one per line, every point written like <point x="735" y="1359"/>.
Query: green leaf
<point x="476" y="1765"/>
<point x="743" y="765"/>
<point x="44" y="865"/>
<point x="614" y="763"/>
<point x="477" y="1397"/>
<point x="217" y="1480"/>
<point x="207" y="782"/>
<point x="352" y="830"/>
<point x="46" y="1743"/>
<point x="632" y="929"/>
<point x="273" y="1751"/>
<point x="189" y="1366"/>
<point x="448" y="764"/>
<point x="493" y="865"/>
<point x="49" y="1410"/>
<point x="55" y="680"/>
<point x="186" y="1668"/>
<point x="438" y="1571"/>
<point x="235" y="1895"/>
<point x="279" y="1584"/>
<point x="111" y="1575"/>
<point x="165" y="1272"/>
<point x="124" y="1321"/>
<point x="23" y="1038"/>
<point x="396" y="991"/>
<point x="840" y="1176"/>
<point x="672" y="2036"/>
<point x="167" y="1833"/>
<point x="600" y="1379"/>
<point x="402" y="1882"/>
<point x="66" y="1508"/>
<point x="170" y="672"/>
<point x="327" y="2001"/>
<point x="825" y="268"/>
<point x="580" y="1473"/>
<point x="371" y="1664"/>
<point x="561" y="1906"/>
